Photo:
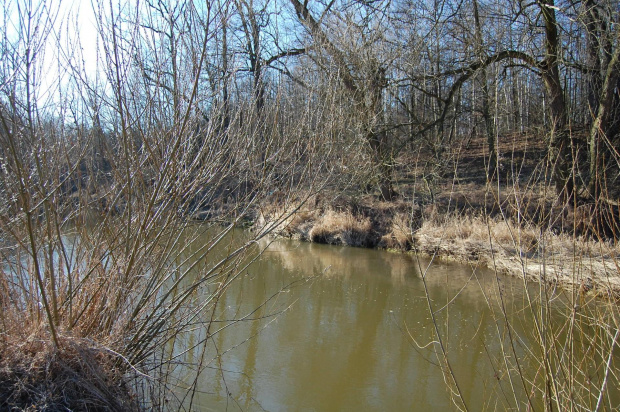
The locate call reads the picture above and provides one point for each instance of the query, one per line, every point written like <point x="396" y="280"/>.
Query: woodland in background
<point x="226" y="110"/>
<point x="371" y="85"/>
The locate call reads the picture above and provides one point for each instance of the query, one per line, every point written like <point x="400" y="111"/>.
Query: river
<point x="328" y="328"/>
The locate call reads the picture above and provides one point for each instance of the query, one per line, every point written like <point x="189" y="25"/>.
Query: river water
<point x="328" y="328"/>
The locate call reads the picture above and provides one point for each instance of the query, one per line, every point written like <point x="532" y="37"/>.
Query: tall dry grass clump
<point x="400" y="235"/>
<point x="78" y="374"/>
<point x="335" y="227"/>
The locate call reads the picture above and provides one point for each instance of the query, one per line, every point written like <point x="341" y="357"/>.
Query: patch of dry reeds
<point x="336" y="228"/>
<point x="76" y="375"/>
<point x="367" y="223"/>
<point x="400" y="236"/>
<point x="524" y="251"/>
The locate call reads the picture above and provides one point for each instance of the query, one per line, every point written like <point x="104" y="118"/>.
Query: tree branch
<point x="285" y="53"/>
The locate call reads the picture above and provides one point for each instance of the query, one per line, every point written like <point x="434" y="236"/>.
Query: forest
<point x="364" y="86"/>
<point x="477" y="130"/>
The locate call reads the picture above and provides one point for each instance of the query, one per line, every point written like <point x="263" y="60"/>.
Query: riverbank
<point x="76" y="375"/>
<point x="489" y="233"/>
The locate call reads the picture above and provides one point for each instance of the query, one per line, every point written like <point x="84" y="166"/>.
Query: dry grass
<point x="401" y="233"/>
<point x="524" y="251"/>
<point x="77" y="375"/>
<point x="335" y="228"/>
<point x="351" y="222"/>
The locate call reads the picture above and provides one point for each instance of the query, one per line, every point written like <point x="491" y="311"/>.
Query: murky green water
<point x="329" y="328"/>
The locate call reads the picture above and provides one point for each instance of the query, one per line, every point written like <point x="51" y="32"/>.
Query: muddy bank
<point x="498" y="242"/>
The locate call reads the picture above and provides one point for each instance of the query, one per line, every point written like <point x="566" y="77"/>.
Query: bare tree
<point x="362" y="72"/>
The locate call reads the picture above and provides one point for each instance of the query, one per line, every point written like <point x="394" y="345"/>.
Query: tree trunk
<point x="366" y="92"/>
<point x="601" y="124"/>
<point x="378" y="139"/>
<point x="225" y="94"/>
<point x="560" y="150"/>
<point x="486" y="111"/>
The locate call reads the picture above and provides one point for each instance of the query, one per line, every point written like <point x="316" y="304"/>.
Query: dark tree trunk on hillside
<point x="602" y="84"/>
<point x="225" y="77"/>
<point x="377" y="138"/>
<point x="560" y="150"/>
<point x="594" y="30"/>
<point x="251" y="28"/>
<point x="486" y="110"/>
<point x="256" y="67"/>
<point x="600" y="126"/>
<point x="252" y="33"/>
<point x="367" y="92"/>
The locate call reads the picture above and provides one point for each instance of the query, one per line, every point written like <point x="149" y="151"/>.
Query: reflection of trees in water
<point x="348" y="329"/>
<point x="341" y="336"/>
<point x="347" y="341"/>
<point x="472" y="284"/>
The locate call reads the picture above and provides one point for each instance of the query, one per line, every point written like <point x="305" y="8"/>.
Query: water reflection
<point x="345" y="334"/>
